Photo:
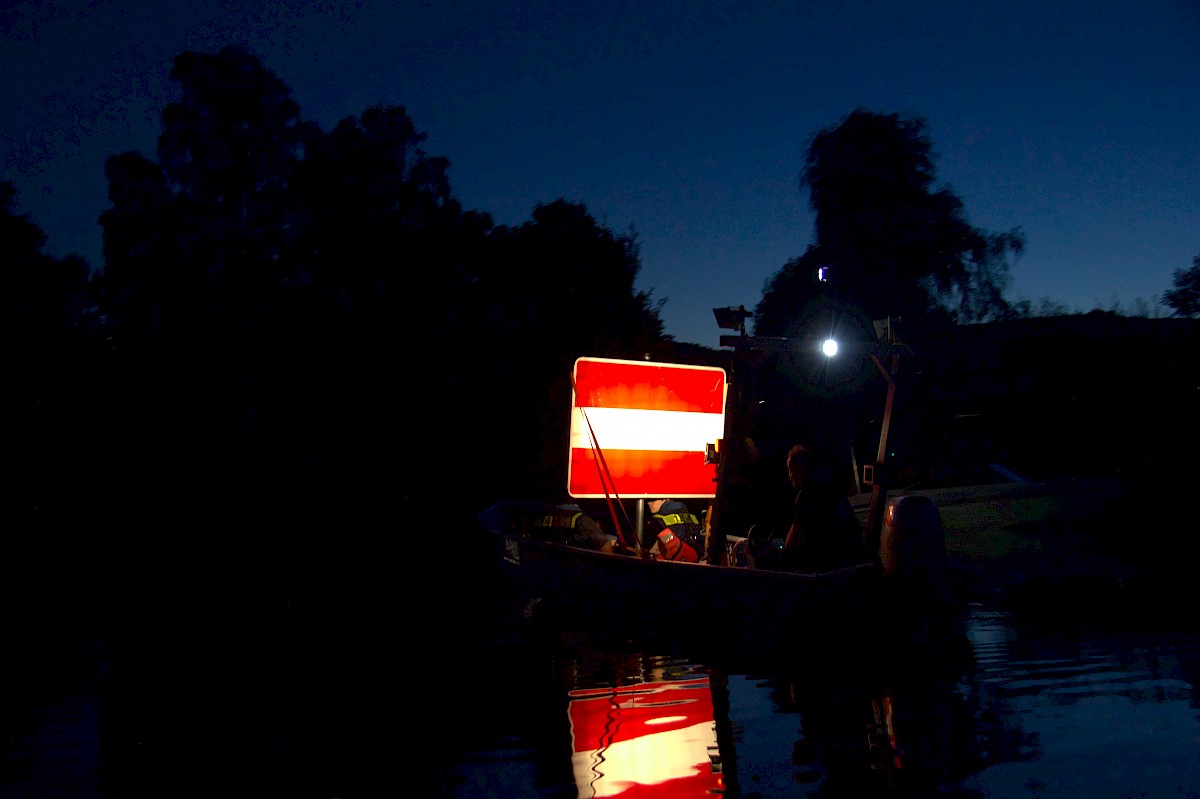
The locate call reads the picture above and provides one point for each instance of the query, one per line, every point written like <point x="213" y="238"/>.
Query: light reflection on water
<point x="322" y="700"/>
<point x="1039" y="712"/>
<point x="1109" y="714"/>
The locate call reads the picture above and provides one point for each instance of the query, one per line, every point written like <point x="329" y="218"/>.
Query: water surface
<point x="1062" y="710"/>
<point x="324" y="677"/>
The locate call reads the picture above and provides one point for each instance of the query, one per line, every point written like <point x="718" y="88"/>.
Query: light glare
<point x="830" y="348"/>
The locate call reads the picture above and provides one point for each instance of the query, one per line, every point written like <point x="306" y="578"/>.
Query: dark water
<point x="323" y="676"/>
<point x="1062" y="710"/>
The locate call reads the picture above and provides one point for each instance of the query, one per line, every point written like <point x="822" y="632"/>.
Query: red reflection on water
<point x="647" y="740"/>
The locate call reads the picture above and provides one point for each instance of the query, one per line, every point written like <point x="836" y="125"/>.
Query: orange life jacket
<point x="672" y="546"/>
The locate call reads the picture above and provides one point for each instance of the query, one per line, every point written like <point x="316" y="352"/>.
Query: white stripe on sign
<point x="626" y="428"/>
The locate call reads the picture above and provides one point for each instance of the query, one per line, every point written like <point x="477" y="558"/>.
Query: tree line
<point x="291" y="321"/>
<point x="293" y="324"/>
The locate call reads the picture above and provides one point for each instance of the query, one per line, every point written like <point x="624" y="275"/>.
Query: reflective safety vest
<point x="680" y="537"/>
<point x="559" y="525"/>
<point x="565" y="521"/>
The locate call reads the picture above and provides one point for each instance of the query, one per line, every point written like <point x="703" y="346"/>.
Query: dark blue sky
<point x="1078" y="122"/>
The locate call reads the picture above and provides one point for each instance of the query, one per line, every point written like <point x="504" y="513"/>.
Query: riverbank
<point x="1072" y="546"/>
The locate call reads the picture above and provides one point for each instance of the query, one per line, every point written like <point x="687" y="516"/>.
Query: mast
<point x="880" y="482"/>
<point x="886" y="345"/>
<point x="730" y="452"/>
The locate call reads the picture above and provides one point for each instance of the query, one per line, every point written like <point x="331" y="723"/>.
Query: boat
<point x="645" y="429"/>
<point x="624" y="586"/>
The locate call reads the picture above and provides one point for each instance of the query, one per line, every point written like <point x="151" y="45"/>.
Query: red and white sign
<point x="651" y="422"/>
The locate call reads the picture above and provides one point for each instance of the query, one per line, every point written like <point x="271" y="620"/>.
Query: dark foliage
<point x="1073" y="396"/>
<point x="307" y="323"/>
<point x="889" y="242"/>
<point x="47" y="314"/>
<point x="1184" y="298"/>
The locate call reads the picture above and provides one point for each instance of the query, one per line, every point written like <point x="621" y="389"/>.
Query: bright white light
<point x="829" y="348"/>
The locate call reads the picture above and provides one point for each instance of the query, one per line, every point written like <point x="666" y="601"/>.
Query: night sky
<point x="686" y="122"/>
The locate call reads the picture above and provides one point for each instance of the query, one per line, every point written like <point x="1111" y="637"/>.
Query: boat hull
<point x="728" y="605"/>
<point x="863" y="611"/>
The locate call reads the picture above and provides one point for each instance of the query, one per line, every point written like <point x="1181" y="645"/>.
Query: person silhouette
<point x="824" y="535"/>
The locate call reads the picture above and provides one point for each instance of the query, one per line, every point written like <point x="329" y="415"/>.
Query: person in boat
<point x="569" y="524"/>
<point x="824" y="534"/>
<point x="674" y="530"/>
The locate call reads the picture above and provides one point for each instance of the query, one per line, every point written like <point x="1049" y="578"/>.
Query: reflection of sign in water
<point x="649" y="740"/>
<point x="652" y="422"/>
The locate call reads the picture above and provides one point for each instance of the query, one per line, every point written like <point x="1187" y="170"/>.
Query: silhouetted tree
<point x="1184" y="298"/>
<point x="1025" y="309"/>
<point x="556" y="288"/>
<point x="140" y="262"/>
<point x="194" y="279"/>
<point x="315" y="318"/>
<point x="889" y="243"/>
<point x="193" y="241"/>
<point x="564" y="273"/>
<point x="384" y="260"/>
<point x="261" y="278"/>
<point x="48" y="322"/>
<point x="45" y="299"/>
